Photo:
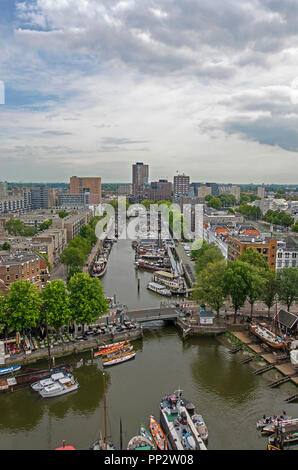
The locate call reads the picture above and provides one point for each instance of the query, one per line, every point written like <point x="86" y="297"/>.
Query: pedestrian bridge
<point x="153" y="314"/>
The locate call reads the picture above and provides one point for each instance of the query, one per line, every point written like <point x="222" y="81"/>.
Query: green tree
<point x="14" y="226"/>
<point x="44" y="225"/>
<point x="56" y="304"/>
<point x="215" y="202"/>
<point x="237" y="279"/>
<point x="88" y="232"/>
<point x="5" y="246"/>
<point x="209" y="255"/>
<point x="288" y="286"/>
<point x="294" y="227"/>
<point x="23" y="304"/>
<point x="87" y="300"/>
<point x="255" y="258"/>
<point x="72" y="257"/>
<point x="62" y="214"/>
<point x="209" y="287"/>
<point x="3" y="314"/>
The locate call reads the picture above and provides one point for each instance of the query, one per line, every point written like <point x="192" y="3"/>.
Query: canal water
<point x="225" y="392"/>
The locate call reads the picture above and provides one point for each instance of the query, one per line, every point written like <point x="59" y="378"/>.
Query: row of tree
<point x="278" y="218"/>
<point x="17" y="227"/>
<point x="246" y="279"/>
<point x="26" y="307"/>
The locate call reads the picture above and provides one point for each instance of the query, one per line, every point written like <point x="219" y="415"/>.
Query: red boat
<point x="110" y="348"/>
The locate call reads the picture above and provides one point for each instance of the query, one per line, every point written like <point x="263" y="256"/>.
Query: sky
<point x="202" y="87"/>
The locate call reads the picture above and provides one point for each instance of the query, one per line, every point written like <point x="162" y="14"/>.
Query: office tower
<point x="160" y="190"/>
<point x="181" y="185"/>
<point x="261" y="192"/>
<point x="91" y="185"/>
<point x="140" y="173"/>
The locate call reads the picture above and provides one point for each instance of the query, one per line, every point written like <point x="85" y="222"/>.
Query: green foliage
<point x="215" y="202"/>
<point x="255" y="258"/>
<point x="288" y="285"/>
<point x="147" y="203"/>
<point x="72" y="257"/>
<point x="56" y="304"/>
<point x="207" y="254"/>
<point x="271" y="287"/>
<point x="46" y="224"/>
<point x="248" y="198"/>
<point x="209" y="287"/>
<point x="3" y="314"/>
<point x="17" y="227"/>
<point x="294" y="227"/>
<point x="62" y="214"/>
<point x="252" y="212"/>
<point x="87" y="300"/>
<point x="23" y="304"/>
<point x="5" y="246"/>
<point x="278" y="218"/>
<point x="227" y="200"/>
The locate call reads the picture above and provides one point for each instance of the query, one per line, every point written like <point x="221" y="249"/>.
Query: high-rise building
<point x="91" y="185"/>
<point x="160" y="190"/>
<point x="261" y="192"/>
<point x="181" y="185"/>
<point x="203" y="191"/>
<point x="41" y="198"/>
<point x="140" y="173"/>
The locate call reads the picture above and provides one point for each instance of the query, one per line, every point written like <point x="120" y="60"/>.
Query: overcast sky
<point x="204" y="87"/>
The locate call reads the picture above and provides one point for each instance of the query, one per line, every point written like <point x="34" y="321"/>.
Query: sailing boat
<point x="103" y="444"/>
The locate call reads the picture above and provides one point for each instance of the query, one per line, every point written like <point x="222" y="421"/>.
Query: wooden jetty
<point x="234" y="350"/>
<point x="264" y="369"/>
<point x="292" y="398"/>
<point x="278" y="382"/>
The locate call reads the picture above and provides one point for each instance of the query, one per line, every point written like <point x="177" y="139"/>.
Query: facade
<point x="18" y="203"/>
<point x="261" y="192"/>
<point x="160" y="190"/>
<point x="203" y="191"/>
<point x="181" y="185"/>
<point x="140" y="174"/>
<point x="66" y="199"/>
<point x="214" y="188"/>
<point x="230" y="189"/>
<point x="287" y="253"/>
<point x="91" y="185"/>
<point x="124" y="190"/>
<point x="42" y="198"/>
<point x="267" y="247"/>
<point x="23" y="266"/>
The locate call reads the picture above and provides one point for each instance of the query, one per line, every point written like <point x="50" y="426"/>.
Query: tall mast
<point x="105" y="411"/>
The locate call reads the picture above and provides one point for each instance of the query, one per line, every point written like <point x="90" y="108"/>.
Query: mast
<point x="121" y="443"/>
<point x="105" y="411"/>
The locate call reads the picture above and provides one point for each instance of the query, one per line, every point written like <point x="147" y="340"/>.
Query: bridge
<point x="153" y="314"/>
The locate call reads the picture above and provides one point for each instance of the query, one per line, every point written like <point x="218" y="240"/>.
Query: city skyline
<point x="207" y="89"/>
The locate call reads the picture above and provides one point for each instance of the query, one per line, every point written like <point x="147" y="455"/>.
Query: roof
<point x="165" y="274"/>
<point x="206" y="314"/>
<point x="286" y="318"/>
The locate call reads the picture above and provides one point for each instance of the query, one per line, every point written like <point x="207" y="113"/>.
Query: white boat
<point x="270" y="428"/>
<point x="8" y="370"/>
<point x="118" y="359"/>
<point x="294" y="358"/>
<point x="140" y="443"/>
<point x="37" y="386"/>
<point x="60" y="387"/>
<point x="201" y="426"/>
<point x="159" y="289"/>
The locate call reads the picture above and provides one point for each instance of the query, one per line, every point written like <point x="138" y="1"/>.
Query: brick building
<point x="267" y="247"/>
<point x="91" y="185"/>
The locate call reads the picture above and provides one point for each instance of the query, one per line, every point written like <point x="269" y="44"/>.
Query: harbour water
<point x="225" y="392"/>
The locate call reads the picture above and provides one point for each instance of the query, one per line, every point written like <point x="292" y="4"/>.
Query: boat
<point x="145" y="433"/>
<point x="159" y="289"/>
<point x="103" y="443"/>
<point x="201" y="426"/>
<point x="118" y="359"/>
<point x="8" y="370"/>
<point x="175" y="283"/>
<point x="100" y="267"/>
<point x="65" y="447"/>
<point x="294" y="358"/>
<point x="267" y="336"/>
<point x="115" y="352"/>
<point x="140" y="443"/>
<point x="267" y="420"/>
<point x="178" y="424"/>
<point x="271" y="428"/>
<point x="157" y="434"/>
<point x="21" y="381"/>
<point x="60" y="387"/>
<point x="149" y="266"/>
<point x="109" y="347"/>
<point x="36" y="386"/>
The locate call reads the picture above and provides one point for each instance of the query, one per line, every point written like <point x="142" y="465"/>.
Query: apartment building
<point x="287" y="253"/>
<point x="238" y="244"/>
<point x="23" y="266"/>
<point x="90" y="185"/>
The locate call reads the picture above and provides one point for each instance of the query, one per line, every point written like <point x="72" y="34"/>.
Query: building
<point x="181" y="185"/>
<point x="140" y="174"/>
<point x="214" y="188"/>
<point x="287" y="253"/>
<point x="42" y="197"/>
<point x="160" y="190"/>
<point x="203" y="191"/>
<point x="18" y="202"/>
<point x="91" y="185"/>
<point x="124" y="190"/>
<point x="24" y="266"/>
<point x="238" y="244"/>
<point x="67" y="200"/>
<point x="261" y="192"/>
<point x="230" y="189"/>
<point x="3" y="189"/>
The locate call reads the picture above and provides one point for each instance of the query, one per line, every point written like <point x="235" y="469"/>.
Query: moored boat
<point x="60" y="387"/>
<point x="145" y="433"/>
<point x="157" y="434"/>
<point x="159" y="289"/>
<point x="267" y="336"/>
<point x="271" y="428"/>
<point x="140" y="443"/>
<point x="109" y="347"/>
<point x="36" y="386"/>
<point x="178" y="425"/>
<point x="267" y="420"/>
<point x="201" y="426"/>
<point x="118" y="359"/>
<point x="9" y="370"/>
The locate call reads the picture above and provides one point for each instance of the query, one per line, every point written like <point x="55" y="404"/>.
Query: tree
<point x="209" y="255"/>
<point x="86" y="231"/>
<point x="14" y="226"/>
<point x="288" y="286"/>
<point x="215" y="202"/>
<point x="294" y="227"/>
<point x="44" y="225"/>
<point x="87" y="300"/>
<point x="236" y="283"/>
<point x="3" y="314"/>
<point x="62" y="214"/>
<point x="5" y="246"/>
<point x="270" y="289"/>
<point x="254" y="258"/>
<point x="209" y="287"/>
<point x="255" y="286"/>
<point x="72" y="257"/>
<point x="56" y="304"/>
<point x="23" y="304"/>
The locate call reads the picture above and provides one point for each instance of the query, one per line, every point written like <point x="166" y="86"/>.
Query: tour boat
<point x="178" y="425"/>
<point x="266" y="335"/>
<point x="157" y="434"/>
<point x="159" y="289"/>
<point x="110" y="347"/>
<point x="118" y="359"/>
<point x="140" y="443"/>
<point x="294" y="358"/>
<point x="60" y="387"/>
<point x="8" y="370"/>
<point x="201" y="426"/>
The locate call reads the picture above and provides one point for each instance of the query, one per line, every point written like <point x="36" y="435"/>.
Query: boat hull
<point x="277" y="345"/>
